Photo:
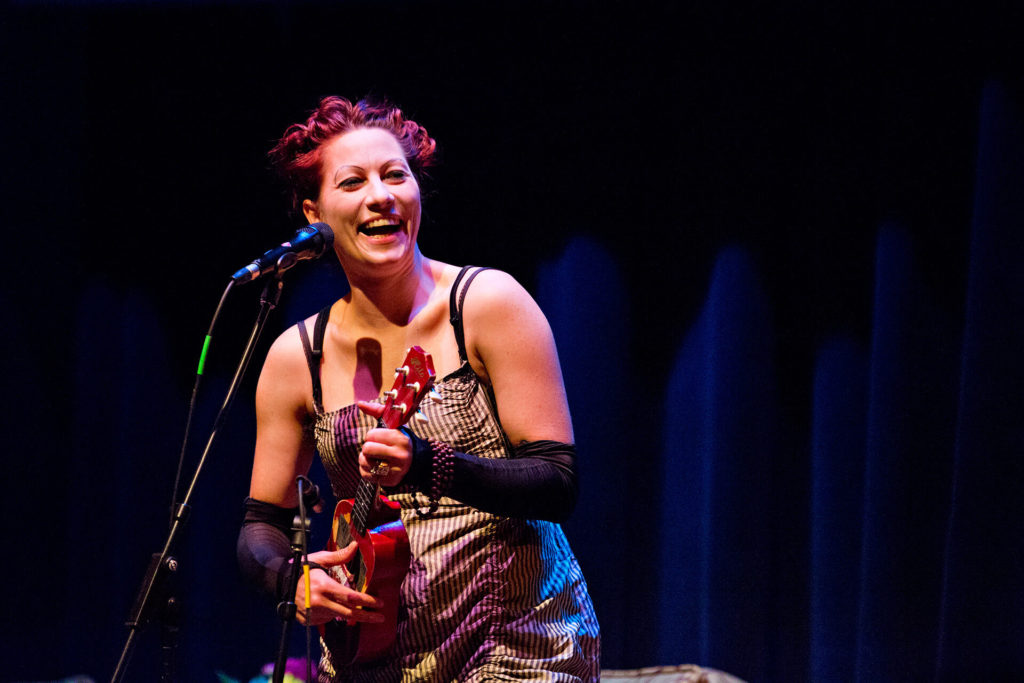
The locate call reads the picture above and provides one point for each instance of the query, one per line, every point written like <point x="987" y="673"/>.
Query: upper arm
<point x="283" y="449"/>
<point x="508" y="333"/>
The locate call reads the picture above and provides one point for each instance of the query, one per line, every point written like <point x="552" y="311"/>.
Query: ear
<point x="311" y="211"/>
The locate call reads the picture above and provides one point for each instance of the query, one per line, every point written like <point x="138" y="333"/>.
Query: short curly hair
<point x="297" y="155"/>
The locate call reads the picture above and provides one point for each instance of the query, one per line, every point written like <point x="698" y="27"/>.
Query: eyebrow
<point x="357" y="167"/>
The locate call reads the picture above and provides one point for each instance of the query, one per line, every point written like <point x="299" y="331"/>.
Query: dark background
<point x="677" y="183"/>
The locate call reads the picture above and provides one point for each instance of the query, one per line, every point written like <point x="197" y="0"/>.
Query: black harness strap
<point x="455" y="304"/>
<point x="315" y="353"/>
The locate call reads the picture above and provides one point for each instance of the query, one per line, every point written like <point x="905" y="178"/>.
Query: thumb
<point x="339" y="556"/>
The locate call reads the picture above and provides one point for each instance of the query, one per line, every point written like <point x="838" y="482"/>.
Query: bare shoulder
<point x="495" y="292"/>
<point x="498" y="311"/>
<point x="285" y="374"/>
<point x="287" y="348"/>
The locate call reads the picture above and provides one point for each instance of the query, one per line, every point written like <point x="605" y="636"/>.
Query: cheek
<point x="341" y="208"/>
<point x="414" y="203"/>
<point x="415" y="219"/>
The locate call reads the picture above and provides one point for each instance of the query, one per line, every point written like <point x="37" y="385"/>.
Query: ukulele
<point x="374" y="523"/>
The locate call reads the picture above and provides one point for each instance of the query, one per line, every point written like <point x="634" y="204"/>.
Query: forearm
<point x="538" y="482"/>
<point x="264" y="548"/>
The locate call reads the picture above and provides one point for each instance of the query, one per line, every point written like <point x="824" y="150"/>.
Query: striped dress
<point x="486" y="597"/>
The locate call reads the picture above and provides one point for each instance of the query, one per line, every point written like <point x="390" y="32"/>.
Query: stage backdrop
<point x="779" y="248"/>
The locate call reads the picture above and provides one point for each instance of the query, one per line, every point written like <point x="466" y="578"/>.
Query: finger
<point x="394" y="438"/>
<point x="362" y="615"/>
<point x="332" y="558"/>
<point x="370" y="408"/>
<point x="368" y="468"/>
<point x="381" y="463"/>
<point x="330" y="600"/>
<point x="353" y="605"/>
<point x="321" y="615"/>
<point x="353" y="599"/>
<point x="380" y="472"/>
<point x="381" y="467"/>
<point x="338" y="560"/>
<point x="344" y="555"/>
<point x="397" y="455"/>
<point x="373" y="451"/>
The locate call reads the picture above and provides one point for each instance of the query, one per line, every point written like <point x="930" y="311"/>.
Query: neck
<point x="393" y="298"/>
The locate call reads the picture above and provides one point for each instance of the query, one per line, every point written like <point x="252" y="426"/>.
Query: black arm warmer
<point x="538" y="482"/>
<point x="264" y="546"/>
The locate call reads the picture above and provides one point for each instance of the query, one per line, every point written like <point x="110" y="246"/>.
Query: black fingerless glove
<point x="538" y="482"/>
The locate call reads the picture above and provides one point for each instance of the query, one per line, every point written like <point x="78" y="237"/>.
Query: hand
<point x="390" y="446"/>
<point x="330" y="599"/>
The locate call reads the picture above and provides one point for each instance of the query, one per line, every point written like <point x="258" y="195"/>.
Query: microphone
<point x="309" y="242"/>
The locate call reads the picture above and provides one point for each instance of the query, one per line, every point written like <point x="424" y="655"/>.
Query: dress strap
<point x="315" y="353"/>
<point x="455" y="303"/>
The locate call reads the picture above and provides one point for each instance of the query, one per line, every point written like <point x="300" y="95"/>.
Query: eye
<point x="350" y="183"/>
<point x="397" y="175"/>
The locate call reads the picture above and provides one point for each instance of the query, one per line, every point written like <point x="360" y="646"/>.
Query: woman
<point x="493" y="591"/>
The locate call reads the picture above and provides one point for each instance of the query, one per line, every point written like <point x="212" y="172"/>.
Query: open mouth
<point x="380" y="226"/>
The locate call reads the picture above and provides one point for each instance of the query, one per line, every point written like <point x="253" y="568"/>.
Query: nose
<point x="379" y="194"/>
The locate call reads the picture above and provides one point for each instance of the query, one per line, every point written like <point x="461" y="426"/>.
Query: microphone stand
<point x="287" y="608"/>
<point x="155" y="585"/>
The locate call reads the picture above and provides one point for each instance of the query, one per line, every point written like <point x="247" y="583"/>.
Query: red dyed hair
<point x="297" y="155"/>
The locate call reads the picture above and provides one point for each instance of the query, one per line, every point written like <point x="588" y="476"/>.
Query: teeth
<point x="382" y="223"/>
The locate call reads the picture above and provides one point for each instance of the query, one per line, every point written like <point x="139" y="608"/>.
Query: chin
<point x="390" y="257"/>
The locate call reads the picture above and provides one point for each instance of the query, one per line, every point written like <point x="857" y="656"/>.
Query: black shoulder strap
<point x="455" y="303"/>
<point x="315" y="353"/>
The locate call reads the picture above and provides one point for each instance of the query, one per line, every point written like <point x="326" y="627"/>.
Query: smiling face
<point x="370" y="198"/>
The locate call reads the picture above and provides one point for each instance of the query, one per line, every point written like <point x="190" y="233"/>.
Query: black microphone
<point x="309" y="242"/>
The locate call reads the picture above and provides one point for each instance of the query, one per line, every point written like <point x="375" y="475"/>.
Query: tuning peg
<point x="393" y="394"/>
<point x="420" y="417"/>
<point x="415" y="386"/>
<point x="404" y="371"/>
<point x="434" y="396"/>
<point x="401" y="407"/>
